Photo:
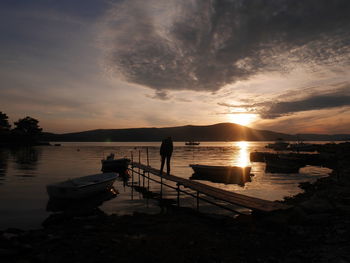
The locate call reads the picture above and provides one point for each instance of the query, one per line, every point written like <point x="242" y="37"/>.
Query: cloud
<point x="159" y="95"/>
<point x="314" y="98"/>
<point x="203" y="45"/>
<point x="331" y="99"/>
<point x="329" y="121"/>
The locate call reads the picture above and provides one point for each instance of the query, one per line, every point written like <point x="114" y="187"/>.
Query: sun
<point x="242" y="118"/>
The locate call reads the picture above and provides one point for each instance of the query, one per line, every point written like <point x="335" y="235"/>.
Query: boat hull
<point x="192" y="143"/>
<point x="222" y="174"/>
<point x="118" y="165"/>
<point x="280" y="164"/>
<point x="81" y="187"/>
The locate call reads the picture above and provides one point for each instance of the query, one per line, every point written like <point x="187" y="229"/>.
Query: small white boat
<point x="81" y="187"/>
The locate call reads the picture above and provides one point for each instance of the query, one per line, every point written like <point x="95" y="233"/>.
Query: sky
<point x="280" y="65"/>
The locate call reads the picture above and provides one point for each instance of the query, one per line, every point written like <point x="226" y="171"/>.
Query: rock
<point x="9" y="236"/>
<point x="22" y="261"/>
<point x="298" y="216"/>
<point x="317" y="205"/>
<point x="88" y="227"/>
<point x="7" y="252"/>
<point x="16" y="231"/>
<point x="319" y="219"/>
<point x="346" y="200"/>
<point x="344" y="209"/>
<point x="26" y="246"/>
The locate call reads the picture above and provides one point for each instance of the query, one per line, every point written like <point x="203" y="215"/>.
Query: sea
<point x="25" y="172"/>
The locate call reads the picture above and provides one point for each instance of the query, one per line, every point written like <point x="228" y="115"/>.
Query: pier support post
<point x="143" y="178"/>
<point x="197" y="200"/>
<point x="132" y="176"/>
<point x="178" y="194"/>
<point x="161" y="186"/>
<point x="139" y="167"/>
<point x="147" y="168"/>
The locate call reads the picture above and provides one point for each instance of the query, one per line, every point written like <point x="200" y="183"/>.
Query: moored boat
<point x="302" y="147"/>
<point x="283" y="164"/>
<point x="278" y="145"/>
<point x="82" y="204"/>
<point x="222" y="174"/>
<point x="115" y="165"/>
<point x="192" y="143"/>
<point x="81" y="187"/>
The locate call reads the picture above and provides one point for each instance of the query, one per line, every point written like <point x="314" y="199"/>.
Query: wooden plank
<point x="230" y="197"/>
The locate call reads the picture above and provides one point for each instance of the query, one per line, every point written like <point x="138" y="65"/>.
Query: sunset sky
<point x="75" y="65"/>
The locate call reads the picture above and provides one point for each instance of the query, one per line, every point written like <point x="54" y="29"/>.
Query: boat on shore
<point x="221" y="174"/>
<point x="81" y="187"/>
<point x="192" y="143"/>
<point x="119" y="166"/>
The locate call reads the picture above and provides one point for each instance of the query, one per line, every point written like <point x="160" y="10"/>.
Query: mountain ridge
<point x="214" y="132"/>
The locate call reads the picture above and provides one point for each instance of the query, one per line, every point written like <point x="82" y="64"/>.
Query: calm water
<point x="24" y="174"/>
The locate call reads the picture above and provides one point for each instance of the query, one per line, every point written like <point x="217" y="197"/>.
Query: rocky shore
<point x="316" y="229"/>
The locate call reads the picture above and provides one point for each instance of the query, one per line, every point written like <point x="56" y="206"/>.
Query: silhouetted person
<point x="166" y="149"/>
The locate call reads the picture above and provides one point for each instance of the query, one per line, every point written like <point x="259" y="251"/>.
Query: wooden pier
<point x="253" y="203"/>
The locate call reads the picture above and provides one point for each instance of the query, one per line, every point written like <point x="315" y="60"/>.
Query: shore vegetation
<point x="25" y="131"/>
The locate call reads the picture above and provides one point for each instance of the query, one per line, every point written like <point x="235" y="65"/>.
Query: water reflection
<point x="26" y="158"/>
<point x="4" y="154"/>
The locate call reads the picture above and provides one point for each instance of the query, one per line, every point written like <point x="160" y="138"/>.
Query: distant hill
<point x="216" y="132"/>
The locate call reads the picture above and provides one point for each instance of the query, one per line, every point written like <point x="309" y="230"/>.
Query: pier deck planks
<point x="230" y="197"/>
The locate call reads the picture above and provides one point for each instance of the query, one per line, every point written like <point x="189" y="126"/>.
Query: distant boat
<point x="192" y="143"/>
<point x="81" y="187"/>
<point x="278" y="145"/>
<point x="221" y="174"/>
<point x="115" y="165"/>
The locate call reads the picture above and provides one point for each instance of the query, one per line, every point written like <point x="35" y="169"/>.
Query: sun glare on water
<point x="243" y="154"/>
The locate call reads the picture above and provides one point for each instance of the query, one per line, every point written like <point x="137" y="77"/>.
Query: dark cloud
<point x="336" y="96"/>
<point x="331" y="99"/>
<point x="206" y="44"/>
<point x="159" y="95"/>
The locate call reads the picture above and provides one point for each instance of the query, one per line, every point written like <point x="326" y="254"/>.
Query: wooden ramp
<point x="253" y="203"/>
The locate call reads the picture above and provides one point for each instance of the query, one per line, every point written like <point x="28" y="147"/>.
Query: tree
<point x="27" y="128"/>
<point x="4" y="123"/>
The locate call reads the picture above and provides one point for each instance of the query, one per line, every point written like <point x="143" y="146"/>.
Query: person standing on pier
<point x="166" y="150"/>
